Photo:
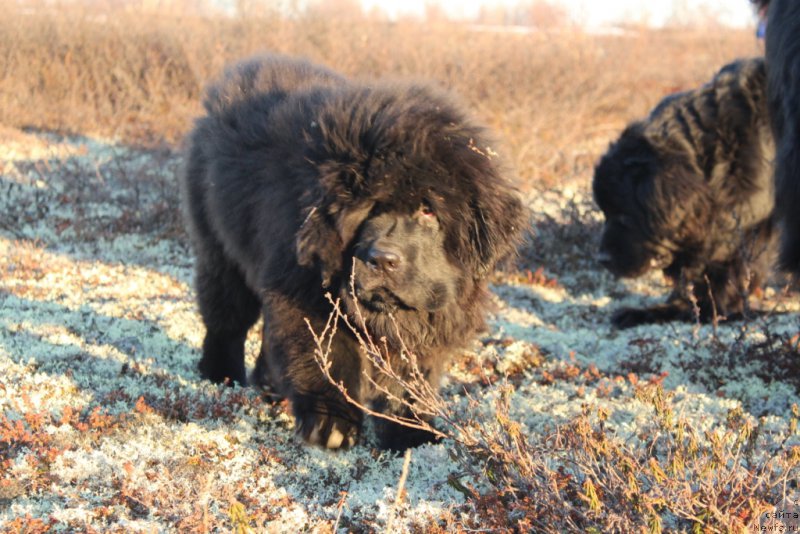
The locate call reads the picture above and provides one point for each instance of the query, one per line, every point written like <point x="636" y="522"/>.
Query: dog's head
<point x="411" y="195"/>
<point x="655" y="203"/>
<point x="400" y="262"/>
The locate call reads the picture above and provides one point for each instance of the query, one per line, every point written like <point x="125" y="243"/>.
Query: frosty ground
<point x="106" y="425"/>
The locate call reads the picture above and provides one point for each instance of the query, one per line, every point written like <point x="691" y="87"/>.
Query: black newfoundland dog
<point x="688" y="191"/>
<point x="783" y="87"/>
<point x="297" y="179"/>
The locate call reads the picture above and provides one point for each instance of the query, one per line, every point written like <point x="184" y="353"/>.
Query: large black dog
<point x="296" y="179"/>
<point x="783" y="87"/>
<point x="688" y="190"/>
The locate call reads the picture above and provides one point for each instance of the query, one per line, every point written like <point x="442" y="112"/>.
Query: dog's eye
<point x="425" y="212"/>
<point x="426" y="217"/>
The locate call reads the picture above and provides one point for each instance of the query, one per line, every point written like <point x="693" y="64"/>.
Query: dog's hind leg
<point x="229" y="308"/>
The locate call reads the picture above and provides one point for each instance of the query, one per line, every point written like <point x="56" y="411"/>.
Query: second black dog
<point x="689" y="191"/>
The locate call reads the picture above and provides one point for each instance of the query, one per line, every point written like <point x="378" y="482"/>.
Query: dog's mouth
<point x="379" y="299"/>
<point x="373" y="290"/>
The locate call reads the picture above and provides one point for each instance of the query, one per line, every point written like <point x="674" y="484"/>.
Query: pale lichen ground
<point x="106" y="425"/>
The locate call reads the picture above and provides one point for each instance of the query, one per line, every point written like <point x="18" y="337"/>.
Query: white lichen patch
<point x="105" y="424"/>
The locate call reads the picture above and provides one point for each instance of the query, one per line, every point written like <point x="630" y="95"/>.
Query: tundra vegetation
<point x="552" y="421"/>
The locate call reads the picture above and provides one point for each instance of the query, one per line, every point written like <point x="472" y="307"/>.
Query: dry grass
<point x="582" y="477"/>
<point x="554" y="98"/>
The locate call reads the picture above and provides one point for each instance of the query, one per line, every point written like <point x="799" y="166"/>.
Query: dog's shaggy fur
<point x="296" y="178"/>
<point x="783" y="87"/>
<point x="688" y="190"/>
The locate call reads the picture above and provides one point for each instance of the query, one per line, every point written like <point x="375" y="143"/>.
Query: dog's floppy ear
<point x="499" y="218"/>
<point x="326" y="232"/>
<point x="484" y="213"/>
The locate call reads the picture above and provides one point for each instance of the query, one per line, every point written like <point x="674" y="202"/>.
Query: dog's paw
<point x="328" y="431"/>
<point x="630" y="317"/>
<point x="664" y="313"/>
<point x="396" y="437"/>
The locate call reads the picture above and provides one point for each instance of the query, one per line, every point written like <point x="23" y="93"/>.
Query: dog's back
<point x="271" y="77"/>
<point x="724" y="127"/>
<point x="731" y="108"/>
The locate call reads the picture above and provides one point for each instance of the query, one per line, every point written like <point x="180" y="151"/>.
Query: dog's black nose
<point x="383" y="259"/>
